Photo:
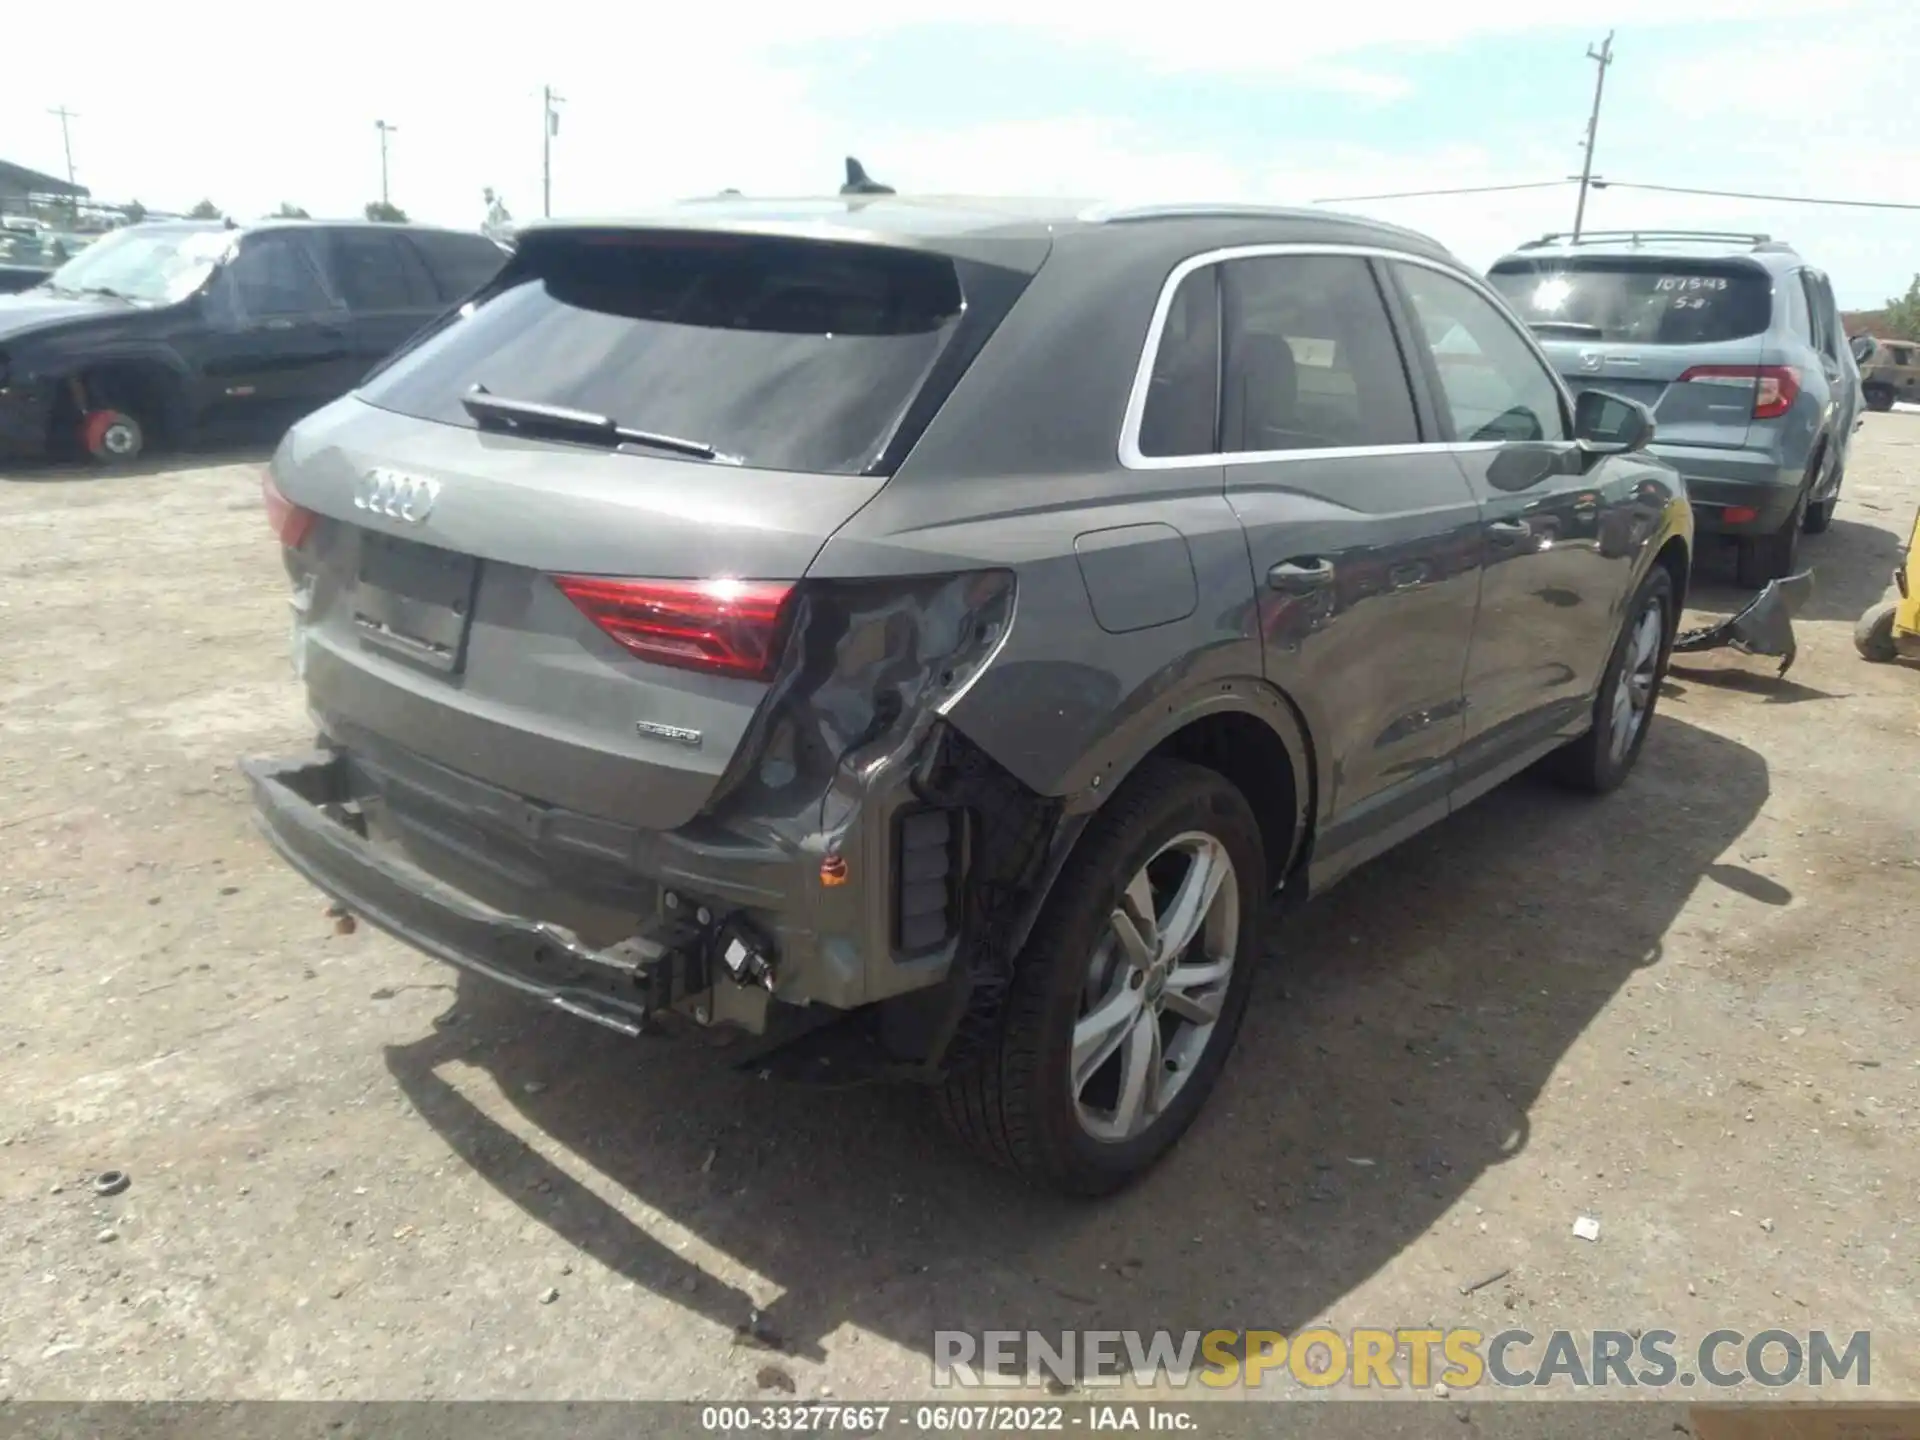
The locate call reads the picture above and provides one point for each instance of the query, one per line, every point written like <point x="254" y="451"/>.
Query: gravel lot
<point x="1687" y="1011"/>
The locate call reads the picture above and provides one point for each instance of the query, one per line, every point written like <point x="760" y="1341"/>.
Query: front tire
<point x="112" y="436"/>
<point x="1629" y="692"/>
<point x="1128" y="994"/>
<point x="1878" y="397"/>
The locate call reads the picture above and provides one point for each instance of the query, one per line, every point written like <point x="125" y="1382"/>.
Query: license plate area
<point x="414" y="600"/>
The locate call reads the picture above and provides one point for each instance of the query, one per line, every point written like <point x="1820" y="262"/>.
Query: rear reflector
<point x="1739" y="514"/>
<point x="727" y="627"/>
<point x="1775" y="387"/>
<point x="290" y="522"/>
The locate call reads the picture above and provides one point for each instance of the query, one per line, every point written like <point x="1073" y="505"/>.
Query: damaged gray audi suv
<point x="921" y="637"/>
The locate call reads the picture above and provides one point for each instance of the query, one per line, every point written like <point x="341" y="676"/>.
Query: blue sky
<point x="1207" y="99"/>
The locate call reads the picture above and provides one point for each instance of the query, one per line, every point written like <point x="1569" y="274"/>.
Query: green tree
<point x="1903" y="314"/>
<point x="205" y="210"/>
<point x="381" y="210"/>
<point x="290" y="211"/>
<point x="135" y="212"/>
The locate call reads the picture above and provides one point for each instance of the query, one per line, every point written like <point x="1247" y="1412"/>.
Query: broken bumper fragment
<point x="1764" y="628"/>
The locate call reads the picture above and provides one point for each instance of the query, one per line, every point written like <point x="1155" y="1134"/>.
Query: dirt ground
<point x="1687" y="1011"/>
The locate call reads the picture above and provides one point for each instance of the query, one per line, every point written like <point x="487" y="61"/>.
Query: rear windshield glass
<point x="782" y="354"/>
<point x="1638" y="302"/>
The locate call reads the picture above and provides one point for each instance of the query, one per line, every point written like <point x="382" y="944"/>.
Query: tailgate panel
<point x="445" y="634"/>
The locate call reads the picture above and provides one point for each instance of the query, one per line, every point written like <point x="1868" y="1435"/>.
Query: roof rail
<point x="1640" y="237"/>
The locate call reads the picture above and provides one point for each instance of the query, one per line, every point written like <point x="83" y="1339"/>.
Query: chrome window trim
<point x="1132" y="459"/>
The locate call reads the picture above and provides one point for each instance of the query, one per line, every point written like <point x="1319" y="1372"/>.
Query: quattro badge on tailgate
<point x="679" y="734"/>
<point x="395" y="495"/>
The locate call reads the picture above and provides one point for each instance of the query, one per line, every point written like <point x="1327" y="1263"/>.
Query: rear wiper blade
<point x="483" y="405"/>
<point x="1566" y="327"/>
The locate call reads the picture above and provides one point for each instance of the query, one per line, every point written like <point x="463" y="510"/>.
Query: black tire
<point x="1761" y="558"/>
<point x="1873" y="634"/>
<point x="1820" y="508"/>
<point x="1014" y="1102"/>
<point x="1593" y="763"/>
<point x="1878" y="397"/>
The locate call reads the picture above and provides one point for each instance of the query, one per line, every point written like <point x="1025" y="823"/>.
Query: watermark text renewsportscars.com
<point x="1404" y="1358"/>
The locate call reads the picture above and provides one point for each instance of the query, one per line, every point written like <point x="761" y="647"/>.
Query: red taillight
<point x="730" y="627"/>
<point x="290" y="522"/>
<point x="1775" y="387"/>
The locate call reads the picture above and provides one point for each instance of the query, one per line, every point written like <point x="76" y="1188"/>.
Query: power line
<point x="1599" y="183"/>
<point x="1461" y="190"/>
<point x="1747" y="195"/>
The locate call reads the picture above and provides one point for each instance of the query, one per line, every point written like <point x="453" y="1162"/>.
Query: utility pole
<point x="1603" y="57"/>
<point x="550" y="127"/>
<point x="385" y="130"/>
<point x="66" y="141"/>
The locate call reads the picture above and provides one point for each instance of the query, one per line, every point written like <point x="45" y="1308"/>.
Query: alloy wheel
<point x="1154" y="987"/>
<point x="1633" y="692"/>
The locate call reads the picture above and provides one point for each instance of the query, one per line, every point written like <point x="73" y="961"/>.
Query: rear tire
<point x="1629" y="692"/>
<point x="1771" y="557"/>
<point x="1878" y="397"/>
<point x="1819" y="516"/>
<point x="1873" y="634"/>
<point x="1083" y="1018"/>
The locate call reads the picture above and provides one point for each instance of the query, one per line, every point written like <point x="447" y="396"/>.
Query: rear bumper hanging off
<point x="302" y="806"/>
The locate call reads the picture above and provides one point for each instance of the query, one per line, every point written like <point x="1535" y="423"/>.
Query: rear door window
<point x="1638" y="301"/>
<point x="781" y="354"/>
<point x="377" y="271"/>
<point x="1826" y="316"/>
<point x="1311" y="362"/>
<point x="274" y="275"/>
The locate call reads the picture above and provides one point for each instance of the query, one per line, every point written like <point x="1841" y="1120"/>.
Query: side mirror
<point x="1606" y="424"/>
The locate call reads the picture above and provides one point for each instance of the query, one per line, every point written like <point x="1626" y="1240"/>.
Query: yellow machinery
<point x="1891" y="629"/>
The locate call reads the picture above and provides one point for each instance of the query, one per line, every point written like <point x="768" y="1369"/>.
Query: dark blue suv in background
<point x="1734" y="342"/>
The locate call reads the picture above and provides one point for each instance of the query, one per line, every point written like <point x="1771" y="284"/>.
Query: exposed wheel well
<point x="1673" y="556"/>
<point x="145" y="388"/>
<point x="1247" y="752"/>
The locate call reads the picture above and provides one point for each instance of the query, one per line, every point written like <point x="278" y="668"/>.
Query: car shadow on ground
<point x="1852" y="567"/>
<point x="1394" y="1047"/>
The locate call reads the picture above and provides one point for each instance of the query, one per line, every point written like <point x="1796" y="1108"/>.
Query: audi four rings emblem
<point x="396" y="496"/>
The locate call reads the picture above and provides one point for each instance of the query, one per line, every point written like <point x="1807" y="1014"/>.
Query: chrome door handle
<point x="1301" y="576"/>
<point x="1510" y="529"/>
